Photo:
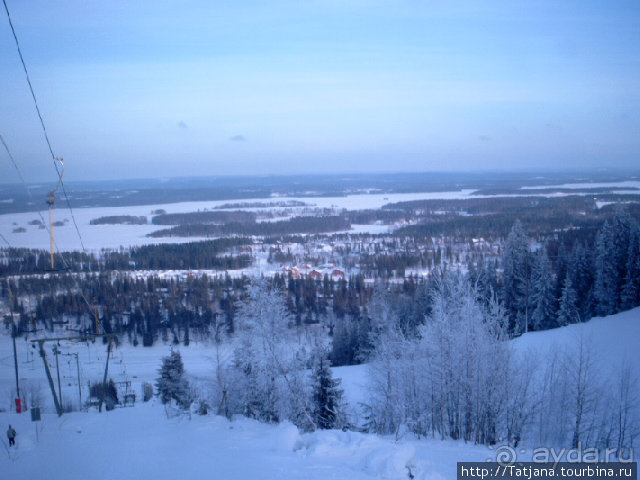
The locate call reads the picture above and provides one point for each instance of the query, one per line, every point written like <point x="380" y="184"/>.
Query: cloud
<point x="484" y="138"/>
<point x="181" y="124"/>
<point x="238" y="138"/>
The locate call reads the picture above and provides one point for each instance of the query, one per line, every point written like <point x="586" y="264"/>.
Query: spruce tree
<point x="606" y="279"/>
<point x="630" y="296"/>
<point x="581" y="271"/>
<point x="326" y="394"/>
<point x="542" y="292"/>
<point x="172" y="384"/>
<point x="568" y="312"/>
<point x="516" y="277"/>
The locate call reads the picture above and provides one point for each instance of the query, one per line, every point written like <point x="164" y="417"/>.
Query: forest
<point x="565" y="280"/>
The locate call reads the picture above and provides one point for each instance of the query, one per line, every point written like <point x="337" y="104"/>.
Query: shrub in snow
<point x="110" y="395"/>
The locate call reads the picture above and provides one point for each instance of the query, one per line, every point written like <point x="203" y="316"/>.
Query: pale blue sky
<point x="150" y="89"/>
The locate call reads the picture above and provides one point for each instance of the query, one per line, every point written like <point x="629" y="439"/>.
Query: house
<point x="337" y="273"/>
<point x="316" y="275"/>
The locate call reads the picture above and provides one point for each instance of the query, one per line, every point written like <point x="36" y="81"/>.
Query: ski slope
<point x="143" y="442"/>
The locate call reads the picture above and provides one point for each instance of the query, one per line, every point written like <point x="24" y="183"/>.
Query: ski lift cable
<point x="24" y="182"/>
<point x="55" y="159"/>
<point x="5" y="240"/>
<point x="44" y="222"/>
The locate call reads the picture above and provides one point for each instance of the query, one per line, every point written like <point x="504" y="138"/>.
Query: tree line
<point x="294" y="225"/>
<point x="209" y="254"/>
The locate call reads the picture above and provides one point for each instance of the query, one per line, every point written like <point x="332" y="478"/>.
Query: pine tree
<point x="326" y="394"/>
<point x="172" y="384"/>
<point x="568" y="312"/>
<point x="542" y="292"/>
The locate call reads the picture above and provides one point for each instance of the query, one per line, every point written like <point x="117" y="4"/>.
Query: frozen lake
<point x="96" y="237"/>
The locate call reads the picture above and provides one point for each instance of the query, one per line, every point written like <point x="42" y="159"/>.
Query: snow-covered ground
<point x="142" y="442"/>
<point x="611" y="341"/>
<point x="623" y="186"/>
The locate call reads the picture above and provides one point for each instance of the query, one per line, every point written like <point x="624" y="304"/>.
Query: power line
<point x="44" y="128"/>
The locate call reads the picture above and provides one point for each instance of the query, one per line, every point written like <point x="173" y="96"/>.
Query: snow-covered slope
<point x="142" y="442"/>
<point x="612" y="341"/>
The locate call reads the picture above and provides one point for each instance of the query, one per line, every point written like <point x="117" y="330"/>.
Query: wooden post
<point x="104" y="379"/>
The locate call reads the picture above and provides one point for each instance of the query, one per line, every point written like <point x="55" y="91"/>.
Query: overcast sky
<point x="161" y="88"/>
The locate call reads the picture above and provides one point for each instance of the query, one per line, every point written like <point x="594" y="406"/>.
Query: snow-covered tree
<point x="605" y="288"/>
<point x="581" y="272"/>
<point x="451" y="380"/>
<point x="630" y="296"/>
<point x="326" y="395"/>
<point x="542" y="292"/>
<point x="568" y="311"/>
<point x="614" y="284"/>
<point x="269" y="359"/>
<point x="172" y="383"/>
<point x="516" y="278"/>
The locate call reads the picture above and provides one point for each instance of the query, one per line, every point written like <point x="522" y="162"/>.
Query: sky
<point x="185" y="88"/>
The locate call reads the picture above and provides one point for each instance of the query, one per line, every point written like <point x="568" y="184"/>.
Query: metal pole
<point x="79" y="386"/>
<point x="15" y="357"/>
<point x="14" y="333"/>
<point x="55" y="351"/>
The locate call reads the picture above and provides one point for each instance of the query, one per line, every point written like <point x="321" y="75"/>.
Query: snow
<point x="144" y="442"/>
<point x="612" y="340"/>
<point x="96" y="237"/>
<point x="626" y="185"/>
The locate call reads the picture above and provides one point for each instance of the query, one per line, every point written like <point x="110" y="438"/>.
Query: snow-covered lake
<point x="96" y="237"/>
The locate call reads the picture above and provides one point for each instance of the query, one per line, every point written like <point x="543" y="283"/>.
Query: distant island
<point x="119" y="220"/>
